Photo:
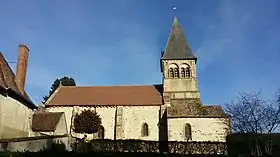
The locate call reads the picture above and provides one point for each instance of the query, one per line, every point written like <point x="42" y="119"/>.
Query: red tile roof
<point x="106" y="95"/>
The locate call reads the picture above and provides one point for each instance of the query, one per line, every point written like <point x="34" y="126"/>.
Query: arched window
<point x="188" y="131"/>
<point x="145" y="130"/>
<point x="185" y="71"/>
<point x="173" y="71"/>
<point x="176" y="72"/>
<point x="101" y="132"/>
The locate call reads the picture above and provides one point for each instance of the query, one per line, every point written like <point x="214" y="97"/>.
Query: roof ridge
<point x="109" y="86"/>
<point x="53" y="94"/>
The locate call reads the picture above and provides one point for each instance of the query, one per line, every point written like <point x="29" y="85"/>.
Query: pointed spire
<point x="177" y="46"/>
<point x="175" y="22"/>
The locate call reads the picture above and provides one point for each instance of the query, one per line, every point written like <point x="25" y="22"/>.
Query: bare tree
<point x="256" y="120"/>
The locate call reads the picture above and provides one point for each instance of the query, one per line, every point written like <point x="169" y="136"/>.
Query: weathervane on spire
<point x="174" y="10"/>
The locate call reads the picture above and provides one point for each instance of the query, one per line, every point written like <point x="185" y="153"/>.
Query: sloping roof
<point x="7" y="77"/>
<point x="215" y="110"/>
<point x="46" y="121"/>
<point x="107" y="95"/>
<point x="193" y="108"/>
<point x="177" y="46"/>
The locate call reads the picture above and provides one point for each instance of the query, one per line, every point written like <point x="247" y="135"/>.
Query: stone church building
<point x="172" y="110"/>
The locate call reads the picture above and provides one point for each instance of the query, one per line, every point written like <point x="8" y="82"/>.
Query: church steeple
<point x="178" y="66"/>
<point x="177" y="47"/>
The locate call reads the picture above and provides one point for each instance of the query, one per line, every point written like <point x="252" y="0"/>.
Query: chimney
<point x="21" y="67"/>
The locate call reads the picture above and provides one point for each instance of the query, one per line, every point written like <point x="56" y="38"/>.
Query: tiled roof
<point x="177" y="46"/>
<point x="46" y="121"/>
<point x="194" y="108"/>
<point x="215" y="110"/>
<point x="7" y="77"/>
<point x="107" y="95"/>
<point x="130" y="96"/>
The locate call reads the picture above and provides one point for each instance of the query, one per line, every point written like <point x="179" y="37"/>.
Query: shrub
<point x="87" y="122"/>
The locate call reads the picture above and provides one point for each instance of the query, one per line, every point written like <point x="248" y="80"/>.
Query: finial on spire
<point x="174" y="10"/>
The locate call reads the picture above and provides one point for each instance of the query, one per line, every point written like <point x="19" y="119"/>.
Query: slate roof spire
<point x="177" y="46"/>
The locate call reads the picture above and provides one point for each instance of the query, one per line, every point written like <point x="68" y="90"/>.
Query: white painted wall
<point x="14" y="118"/>
<point x="203" y="129"/>
<point x="61" y="128"/>
<point x="67" y="112"/>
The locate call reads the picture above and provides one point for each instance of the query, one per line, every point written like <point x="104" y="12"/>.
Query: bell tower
<point x="183" y="115"/>
<point x="178" y="66"/>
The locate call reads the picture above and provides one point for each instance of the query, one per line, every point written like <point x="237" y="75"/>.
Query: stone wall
<point x="203" y="129"/>
<point x="33" y="144"/>
<point x="135" y="117"/>
<point x="130" y="120"/>
<point x="15" y="118"/>
<point x="181" y="87"/>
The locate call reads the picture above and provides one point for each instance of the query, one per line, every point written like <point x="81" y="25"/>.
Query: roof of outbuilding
<point x="46" y="121"/>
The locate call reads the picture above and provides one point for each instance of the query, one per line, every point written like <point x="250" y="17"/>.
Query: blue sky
<point x="109" y="42"/>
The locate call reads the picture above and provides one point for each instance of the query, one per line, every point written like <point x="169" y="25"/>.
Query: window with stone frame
<point x="176" y="72"/>
<point x="171" y="72"/>
<point x="183" y="74"/>
<point x="101" y="132"/>
<point x="185" y="71"/>
<point x="188" y="131"/>
<point x="145" y="130"/>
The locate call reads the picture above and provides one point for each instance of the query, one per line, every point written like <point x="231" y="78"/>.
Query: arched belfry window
<point x="176" y="72"/>
<point x="145" y="130"/>
<point x="188" y="131"/>
<point x="185" y="71"/>
<point x="101" y="132"/>
<point x="173" y="71"/>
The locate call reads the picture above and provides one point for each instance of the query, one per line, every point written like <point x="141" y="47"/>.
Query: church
<point x="172" y="110"/>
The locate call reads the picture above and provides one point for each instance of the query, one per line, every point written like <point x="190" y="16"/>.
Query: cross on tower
<point x="174" y="10"/>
